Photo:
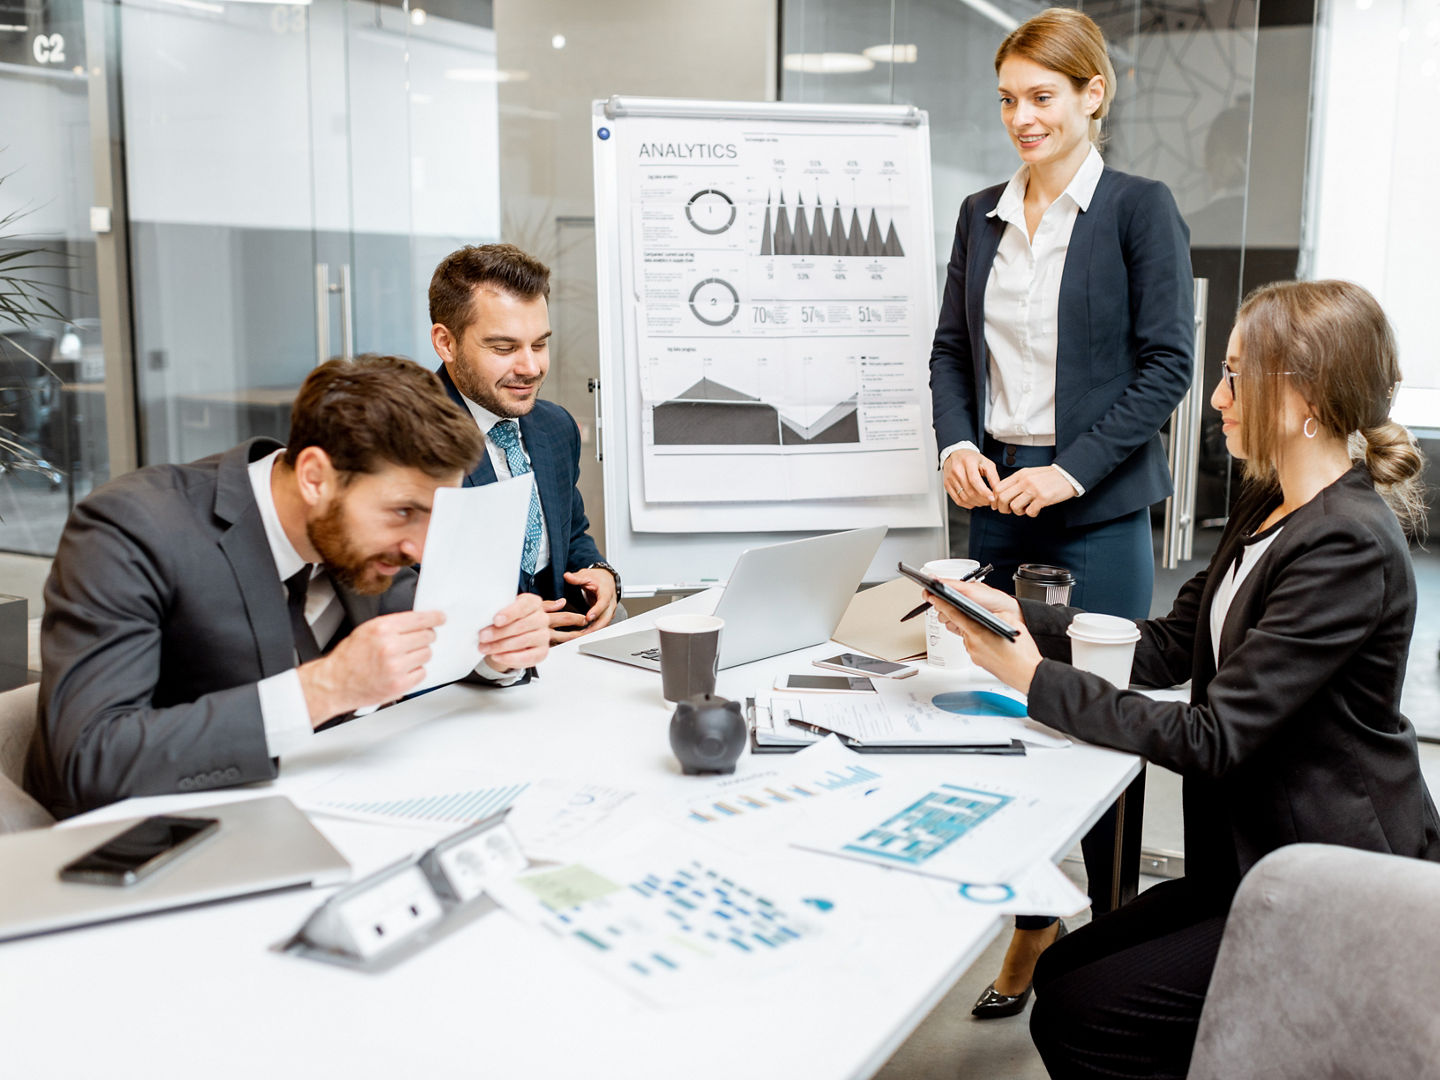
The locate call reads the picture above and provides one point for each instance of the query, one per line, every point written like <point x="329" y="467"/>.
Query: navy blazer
<point x="1297" y="737"/>
<point x="552" y="439"/>
<point x="1126" y="341"/>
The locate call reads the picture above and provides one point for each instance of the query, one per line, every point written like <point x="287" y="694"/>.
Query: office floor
<point x="949" y="1044"/>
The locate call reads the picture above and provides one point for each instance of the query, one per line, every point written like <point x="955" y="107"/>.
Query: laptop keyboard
<point x="648" y="654"/>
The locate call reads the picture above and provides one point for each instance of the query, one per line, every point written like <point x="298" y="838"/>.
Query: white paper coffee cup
<point x="942" y="648"/>
<point x="1103" y="645"/>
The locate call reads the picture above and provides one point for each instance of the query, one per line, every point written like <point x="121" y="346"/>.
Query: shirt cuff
<point x="1079" y="487"/>
<point x="284" y="713"/>
<point x="490" y="675"/>
<point x="964" y="444"/>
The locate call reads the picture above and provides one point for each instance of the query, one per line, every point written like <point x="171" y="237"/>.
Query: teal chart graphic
<point x="451" y="807"/>
<point x="927" y="826"/>
<point x="666" y="923"/>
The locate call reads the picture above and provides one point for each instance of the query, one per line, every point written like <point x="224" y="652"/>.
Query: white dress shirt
<point x="1022" y="311"/>
<point x="486" y="419"/>
<point x="282" y="700"/>
<point x="1249" y="554"/>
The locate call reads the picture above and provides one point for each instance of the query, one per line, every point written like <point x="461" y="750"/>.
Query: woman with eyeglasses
<point x="1065" y="341"/>
<point x="1294" y="640"/>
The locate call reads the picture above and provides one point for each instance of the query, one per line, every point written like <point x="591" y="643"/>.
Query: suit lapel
<point x="1072" y="370"/>
<point x="247" y="549"/>
<point x="484" y="472"/>
<point x="988" y="231"/>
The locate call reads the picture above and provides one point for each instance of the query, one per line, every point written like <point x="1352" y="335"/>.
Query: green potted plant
<point x="27" y="383"/>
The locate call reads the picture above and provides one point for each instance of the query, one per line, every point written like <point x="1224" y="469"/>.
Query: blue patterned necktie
<point x="506" y="435"/>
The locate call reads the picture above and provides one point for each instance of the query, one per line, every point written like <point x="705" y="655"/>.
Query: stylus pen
<point x="973" y="575"/>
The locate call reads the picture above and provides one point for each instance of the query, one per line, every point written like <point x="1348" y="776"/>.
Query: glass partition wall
<point x="294" y="174"/>
<point x="52" y="365"/>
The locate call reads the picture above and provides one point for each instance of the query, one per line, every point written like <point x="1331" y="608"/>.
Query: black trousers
<point x="1121" y="997"/>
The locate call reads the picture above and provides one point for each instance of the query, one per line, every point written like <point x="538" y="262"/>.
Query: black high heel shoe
<point x="992" y="1004"/>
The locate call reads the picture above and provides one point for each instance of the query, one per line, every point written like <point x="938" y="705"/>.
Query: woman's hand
<point x="1012" y="662"/>
<point x="970" y="479"/>
<point x="1028" y="491"/>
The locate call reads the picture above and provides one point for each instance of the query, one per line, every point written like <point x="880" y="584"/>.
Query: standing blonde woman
<point x="1065" y="341"/>
<point x="1295" y="641"/>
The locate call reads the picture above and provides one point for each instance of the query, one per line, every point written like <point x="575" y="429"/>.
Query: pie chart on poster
<point x="979" y="703"/>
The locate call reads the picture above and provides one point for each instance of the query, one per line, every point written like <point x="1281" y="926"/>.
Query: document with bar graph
<point x="668" y="918"/>
<point x="808" y="779"/>
<point x="438" y="799"/>
<point x="951" y="827"/>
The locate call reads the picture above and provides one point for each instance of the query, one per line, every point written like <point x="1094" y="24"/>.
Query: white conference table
<point x="200" y="992"/>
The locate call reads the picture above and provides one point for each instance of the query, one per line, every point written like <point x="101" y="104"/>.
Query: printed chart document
<point x="670" y="918"/>
<point x="953" y="827"/>
<point x="470" y="569"/>
<point x="899" y="716"/>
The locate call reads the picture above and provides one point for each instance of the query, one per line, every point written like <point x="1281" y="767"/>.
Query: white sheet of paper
<point x="470" y="568"/>
<point x="1040" y="889"/>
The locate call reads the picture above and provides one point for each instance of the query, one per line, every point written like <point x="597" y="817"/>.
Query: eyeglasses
<point x="1229" y="374"/>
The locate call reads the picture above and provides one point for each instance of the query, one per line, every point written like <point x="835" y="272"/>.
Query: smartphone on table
<point x="831" y="684"/>
<point x="858" y="664"/>
<point x="140" y="850"/>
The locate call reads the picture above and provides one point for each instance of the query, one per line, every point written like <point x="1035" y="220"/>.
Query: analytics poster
<point x="779" y="352"/>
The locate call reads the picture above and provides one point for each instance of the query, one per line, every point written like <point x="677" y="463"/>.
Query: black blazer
<point x="1298" y="737"/>
<point x="163" y="609"/>
<point x="1126" y="341"/>
<point x="552" y="439"/>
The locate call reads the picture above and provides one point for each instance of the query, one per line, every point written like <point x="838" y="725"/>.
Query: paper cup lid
<point x="1103" y="629"/>
<point x="1041" y="574"/>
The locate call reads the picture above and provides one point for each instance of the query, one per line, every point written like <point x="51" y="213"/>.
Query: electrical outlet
<point x="468" y="864"/>
<point x="389" y="912"/>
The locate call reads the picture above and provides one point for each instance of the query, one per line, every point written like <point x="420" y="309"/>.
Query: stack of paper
<point x="896" y="717"/>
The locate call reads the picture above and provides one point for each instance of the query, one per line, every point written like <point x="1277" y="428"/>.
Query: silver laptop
<point x="780" y="597"/>
<point x="262" y="844"/>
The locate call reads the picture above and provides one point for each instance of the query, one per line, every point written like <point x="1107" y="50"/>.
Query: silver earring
<point x="1306" y="427"/>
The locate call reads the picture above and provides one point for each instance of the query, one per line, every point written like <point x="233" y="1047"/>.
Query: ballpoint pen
<point x="977" y="574"/>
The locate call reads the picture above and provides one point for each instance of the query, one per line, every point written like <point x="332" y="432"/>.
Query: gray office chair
<point x="1327" y="971"/>
<point x="18" y="713"/>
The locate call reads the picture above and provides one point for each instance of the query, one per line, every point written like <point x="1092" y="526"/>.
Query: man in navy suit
<point x="490" y="316"/>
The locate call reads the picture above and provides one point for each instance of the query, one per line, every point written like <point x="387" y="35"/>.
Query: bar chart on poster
<point x="767" y="299"/>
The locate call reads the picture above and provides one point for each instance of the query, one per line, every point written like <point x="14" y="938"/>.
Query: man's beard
<point x="486" y="396"/>
<point x="345" y="563"/>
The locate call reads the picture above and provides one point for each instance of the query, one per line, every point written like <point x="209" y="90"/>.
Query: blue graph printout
<point x="451" y="807"/>
<point x="928" y="826"/>
<point x="672" y="929"/>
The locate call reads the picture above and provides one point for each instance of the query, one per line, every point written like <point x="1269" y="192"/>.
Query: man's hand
<point x="599" y="586"/>
<point x="380" y="661"/>
<point x="519" y="637"/>
<point x="1028" y="491"/>
<point x="1012" y="662"/>
<point x="970" y="479"/>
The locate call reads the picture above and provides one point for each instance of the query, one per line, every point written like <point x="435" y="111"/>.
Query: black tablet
<point x="985" y="618"/>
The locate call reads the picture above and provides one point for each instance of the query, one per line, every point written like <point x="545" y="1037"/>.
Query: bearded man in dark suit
<point x="203" y="620"/>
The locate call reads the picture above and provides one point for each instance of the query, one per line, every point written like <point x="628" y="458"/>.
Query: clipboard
<point x="1016" y="748"/>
